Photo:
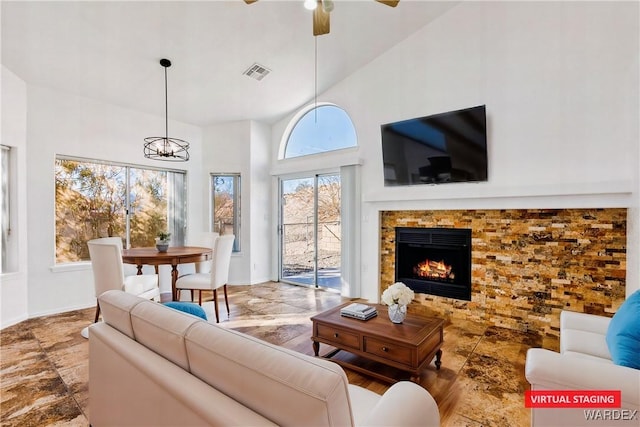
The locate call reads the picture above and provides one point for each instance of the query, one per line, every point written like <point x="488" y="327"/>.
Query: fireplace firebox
<point x="435" y="261"/>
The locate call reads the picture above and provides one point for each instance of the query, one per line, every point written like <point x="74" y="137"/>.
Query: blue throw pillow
<point x="187" y="307"/>
<point x="623" y="334"/>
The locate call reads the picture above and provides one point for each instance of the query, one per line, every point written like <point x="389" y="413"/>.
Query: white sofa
<point x="584" y="363"/>
<point x="153" y="365"/>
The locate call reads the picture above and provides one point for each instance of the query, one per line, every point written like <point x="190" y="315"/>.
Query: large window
<point x="98" y="199"/>
<point x="318" y="130"/>
<point x="319" y="214"/>
<point x="225" y="216"/>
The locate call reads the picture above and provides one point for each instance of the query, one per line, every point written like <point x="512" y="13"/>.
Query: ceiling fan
<point x="321" y="13"/>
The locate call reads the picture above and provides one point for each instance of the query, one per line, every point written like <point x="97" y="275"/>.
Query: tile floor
<point x="44" y="361"/>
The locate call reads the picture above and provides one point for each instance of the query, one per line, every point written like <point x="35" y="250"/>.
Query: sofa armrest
<point x="549" y="370"/>
<point x="584" y="333"/>
<point x="405" y="404"/>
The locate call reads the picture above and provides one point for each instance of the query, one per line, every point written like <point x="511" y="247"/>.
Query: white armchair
<point x="584" y="363"/>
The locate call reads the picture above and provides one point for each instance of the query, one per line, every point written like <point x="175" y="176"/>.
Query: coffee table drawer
<point x="389" y="351"/>
<point x="339" y="336"/>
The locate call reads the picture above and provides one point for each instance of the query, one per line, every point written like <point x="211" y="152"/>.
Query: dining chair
<point x="204" y="239"/>
<point x="108" y="273"/>
<point x="216" y="278"/>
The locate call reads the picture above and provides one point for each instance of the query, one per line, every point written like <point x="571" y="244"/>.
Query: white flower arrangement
<point x="398" y="293"/>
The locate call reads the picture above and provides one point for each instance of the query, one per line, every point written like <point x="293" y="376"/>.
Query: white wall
<point x="242" y="147"/>
<point x="260" y="202"/>
<point x="63" y="124"/>
<point x="560" y="82"/>
<point x="13" y="285"/>
<point x="226" y="149"/>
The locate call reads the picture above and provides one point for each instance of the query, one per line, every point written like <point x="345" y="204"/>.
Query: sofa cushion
<point x="131" y="385"/>
<point x="162" y="330"/>
<point x="287" y="387"/>
<point x="623" y="334"/>
<point x="187" y="307"/>
<point x="584" y="342"/>
<point x="115" y="307"/>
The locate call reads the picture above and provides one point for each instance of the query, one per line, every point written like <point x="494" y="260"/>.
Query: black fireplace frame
<point x="445" y="238"/>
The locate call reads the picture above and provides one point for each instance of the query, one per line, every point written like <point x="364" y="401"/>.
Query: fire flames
<point x="434" y="270"/>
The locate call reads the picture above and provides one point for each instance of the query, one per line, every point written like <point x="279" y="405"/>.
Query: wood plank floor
<point x="44" y="361"/>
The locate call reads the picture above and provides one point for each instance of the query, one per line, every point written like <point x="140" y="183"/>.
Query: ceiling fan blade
<point x="320" y="20"/>
<point x="250" y="1"/>
<point x="392" y="3"/>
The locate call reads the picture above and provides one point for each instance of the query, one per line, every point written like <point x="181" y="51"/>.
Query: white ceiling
<point x="110" y="51"/>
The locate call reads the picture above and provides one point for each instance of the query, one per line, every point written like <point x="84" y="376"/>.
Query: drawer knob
<point x="335" y="335"/>
<point x="385" y="349"/>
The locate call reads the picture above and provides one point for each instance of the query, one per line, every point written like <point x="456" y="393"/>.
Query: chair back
<point x="221" y="260"/>
<point x="206" y="239"/>
<point x="106" y="263"/>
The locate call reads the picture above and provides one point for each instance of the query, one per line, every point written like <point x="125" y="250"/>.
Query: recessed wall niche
<point x="526" y="264"/>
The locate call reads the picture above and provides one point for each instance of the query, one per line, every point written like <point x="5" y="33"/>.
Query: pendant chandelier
<point x="163" y="147"/>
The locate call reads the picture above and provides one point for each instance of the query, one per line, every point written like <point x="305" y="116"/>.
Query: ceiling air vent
<point x="257" y="71"/>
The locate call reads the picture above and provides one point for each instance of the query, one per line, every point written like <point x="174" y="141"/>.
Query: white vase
<point x="397" y="313"/>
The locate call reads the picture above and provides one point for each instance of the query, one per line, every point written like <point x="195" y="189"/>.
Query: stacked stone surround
<point x="527" y="264"/>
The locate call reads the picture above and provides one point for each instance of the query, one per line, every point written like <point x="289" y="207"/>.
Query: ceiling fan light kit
<point x="327" y="5"/>
<point x="163" y="147"/>
<point x="321" y="10"/>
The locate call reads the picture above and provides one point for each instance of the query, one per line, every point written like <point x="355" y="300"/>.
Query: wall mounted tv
<point x="442" y="148"/>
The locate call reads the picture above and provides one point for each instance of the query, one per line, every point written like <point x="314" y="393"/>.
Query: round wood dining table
<point x="175" y="255"/>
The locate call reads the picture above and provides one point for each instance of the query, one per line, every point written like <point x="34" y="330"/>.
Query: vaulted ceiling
<point x="110" y="51"/>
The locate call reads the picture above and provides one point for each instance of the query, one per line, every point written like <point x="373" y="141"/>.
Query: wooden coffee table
<point x="409" y="346"/>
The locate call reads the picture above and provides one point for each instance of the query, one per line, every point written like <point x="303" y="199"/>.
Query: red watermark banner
<point x="572" y="399"/>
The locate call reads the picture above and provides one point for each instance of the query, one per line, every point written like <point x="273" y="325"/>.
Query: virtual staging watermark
<point x="610" y="415"/>
<point x="598" y="405"/>
<point x="572" y="399"/>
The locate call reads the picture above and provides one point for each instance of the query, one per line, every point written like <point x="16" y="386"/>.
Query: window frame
<point x="297" y="118"/>
<point x="179" y="221"/>
<point x="237" y="198"/>
<point x="7" y="262"/>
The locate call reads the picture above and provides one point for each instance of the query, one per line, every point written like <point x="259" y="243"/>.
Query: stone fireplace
<point x="526" y="264"/>
<point x="434" y="261"/>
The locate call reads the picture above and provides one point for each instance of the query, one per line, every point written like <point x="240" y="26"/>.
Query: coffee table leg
<point x="316" y="348"/>
<point x="438" y="357"/>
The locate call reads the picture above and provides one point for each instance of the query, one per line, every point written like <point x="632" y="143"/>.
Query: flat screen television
<point x="436" y="149"/>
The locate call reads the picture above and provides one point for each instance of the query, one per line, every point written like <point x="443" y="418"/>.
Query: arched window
<point x="318" y="129"/>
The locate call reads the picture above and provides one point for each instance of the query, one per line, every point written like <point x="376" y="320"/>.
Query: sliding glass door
<point x="310" y="231"/>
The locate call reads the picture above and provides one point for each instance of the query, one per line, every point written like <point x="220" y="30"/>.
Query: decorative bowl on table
<point x="162" y="241"/>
